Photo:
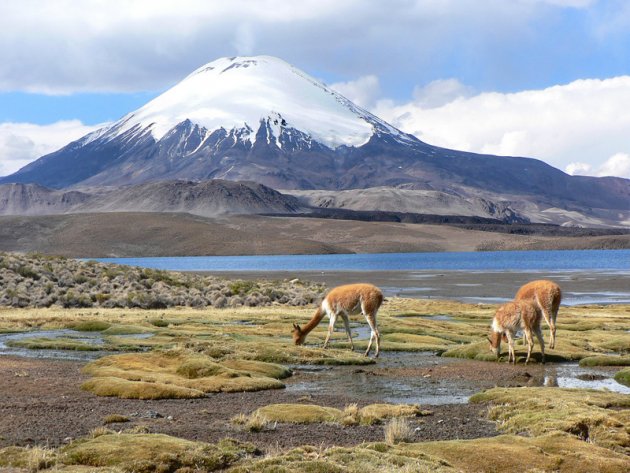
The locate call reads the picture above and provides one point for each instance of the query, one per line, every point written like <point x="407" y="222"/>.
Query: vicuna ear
<point x="296" y="327"/>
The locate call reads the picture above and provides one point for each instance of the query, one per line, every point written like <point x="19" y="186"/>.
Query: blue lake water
<point x="564" y="260"/>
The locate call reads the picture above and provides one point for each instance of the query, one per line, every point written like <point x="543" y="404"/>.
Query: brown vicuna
<point x="547" y="295"/>
<point x="342" y="301"/>
<point x="508" y="318"/>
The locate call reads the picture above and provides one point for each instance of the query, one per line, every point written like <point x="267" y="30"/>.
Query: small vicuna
<point x="343" y="301"/>
<point x="509" y="317"/>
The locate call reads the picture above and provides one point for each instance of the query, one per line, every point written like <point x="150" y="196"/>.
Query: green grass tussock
<point x="89" y="326"/>
<point x="603" y="360"/>
<point x="623" y="376"/>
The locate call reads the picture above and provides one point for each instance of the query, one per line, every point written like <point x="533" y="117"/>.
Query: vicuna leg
<point x="331" y="328"/>
<point x="530" y="343"/>
<point x="511" y="355"/>
<point x="555" y="305"/>
<point x="541" y="342"/>
<point x="346" y="322"/>
<point x="374" y="335"/>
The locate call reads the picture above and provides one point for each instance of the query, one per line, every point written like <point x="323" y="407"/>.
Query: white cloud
<point x="364" y="91"/>
<point x="244" y="41"/>
<point x="569" y="126"/>
<point x="578" y="169"/>
<point x="65" y="46"/>
<point x="617" y="165"/>
<point x="21" y="143"/>
<point x="440" y="92"/>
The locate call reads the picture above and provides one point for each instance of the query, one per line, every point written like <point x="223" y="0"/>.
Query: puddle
<point x="95" y="339"/>
<point x="571" y="375"/>
<point x="366" y="384"/>
<point x="361" y="383"/>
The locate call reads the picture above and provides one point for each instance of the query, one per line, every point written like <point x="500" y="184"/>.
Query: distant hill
<point x="209" y="198"/>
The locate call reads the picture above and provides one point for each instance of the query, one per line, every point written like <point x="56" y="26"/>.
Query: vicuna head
<point x="298" y="335"/>
<point x="495" y="342"/>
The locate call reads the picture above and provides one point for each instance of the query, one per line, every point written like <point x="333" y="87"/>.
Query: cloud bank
<point x="66" y="46"/>
<point x="21" y="143"/>
<point x="581" y="127"/>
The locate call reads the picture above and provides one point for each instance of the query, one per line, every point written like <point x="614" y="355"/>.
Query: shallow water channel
<point x="96" y="340"/>
<point x="386" y="381"/>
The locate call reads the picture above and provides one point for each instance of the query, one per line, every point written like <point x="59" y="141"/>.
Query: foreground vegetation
<point x="188" y="352"/>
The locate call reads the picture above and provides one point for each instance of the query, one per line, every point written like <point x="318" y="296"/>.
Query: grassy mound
<point x="177" y="374"/>
<point x="599" y="417"/>
<point x="603" y="360"/>
<point x="556" y="452"/>
<point x="351" y="415"/>
<point x="564" y="351"/>
<point x="623" y="376"/>
<point x="154" y="452"/>
<point x="45" y="343"/>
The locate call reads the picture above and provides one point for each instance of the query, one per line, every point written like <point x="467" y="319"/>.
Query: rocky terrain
<point x="206" y="198"/>
<point x="44" y="281"/>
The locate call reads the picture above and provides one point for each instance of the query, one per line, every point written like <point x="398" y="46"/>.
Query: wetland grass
<point x="154" y="452"/>
<point x="351" y="415"/>
<point x="600" y="417"/>
<point x="623" y="376"/>
<point x="174" y="374"/>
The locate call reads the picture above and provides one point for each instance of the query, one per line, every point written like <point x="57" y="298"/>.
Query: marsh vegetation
<point x="207" y="354"/>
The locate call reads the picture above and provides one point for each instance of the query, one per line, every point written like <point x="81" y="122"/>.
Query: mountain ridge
<point x="209" y="199"/>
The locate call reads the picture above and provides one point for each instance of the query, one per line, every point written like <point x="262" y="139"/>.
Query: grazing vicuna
<point x="508" y="319"/>
<point x="341" y="301"/>
<point x="547" y="295"/>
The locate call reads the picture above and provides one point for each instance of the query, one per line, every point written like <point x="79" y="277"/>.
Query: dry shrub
<point x="398" y="430"/>
<point x="39" y="458"/>
<point x="257" y="422"/>
<point x="115" y="418"/>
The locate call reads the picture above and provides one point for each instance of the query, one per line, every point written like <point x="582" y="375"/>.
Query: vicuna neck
<point x="314" y="322"/>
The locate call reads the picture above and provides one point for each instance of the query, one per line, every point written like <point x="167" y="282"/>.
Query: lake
<point x="586" y="277"/>
<point x="561" y="260"/>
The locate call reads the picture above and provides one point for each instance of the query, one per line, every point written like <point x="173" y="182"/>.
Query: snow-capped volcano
<point x="237" y="94"/>
<point x="261" y="119"/>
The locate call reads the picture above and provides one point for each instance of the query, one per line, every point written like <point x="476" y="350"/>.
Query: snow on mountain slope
<point x="237" y="93"/>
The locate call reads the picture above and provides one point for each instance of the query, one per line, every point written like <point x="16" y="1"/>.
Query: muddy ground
<point x="42" y="404"/>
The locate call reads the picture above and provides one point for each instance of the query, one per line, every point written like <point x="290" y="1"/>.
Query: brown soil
<point x="171" y="234"/>
<point x="42" y="404"/>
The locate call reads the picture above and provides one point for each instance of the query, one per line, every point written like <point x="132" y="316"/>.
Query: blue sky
<point x="541" y="78"/>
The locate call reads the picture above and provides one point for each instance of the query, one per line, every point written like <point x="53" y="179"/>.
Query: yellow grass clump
<point x="398" y="430"/>
<point x="600" y="417"/>
<point x="154" y="452"/>
<point x="175" y="374"/>
<point x="351" y="415"/>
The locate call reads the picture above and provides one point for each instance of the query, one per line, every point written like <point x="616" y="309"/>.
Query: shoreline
<point x="579" y="287"/>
